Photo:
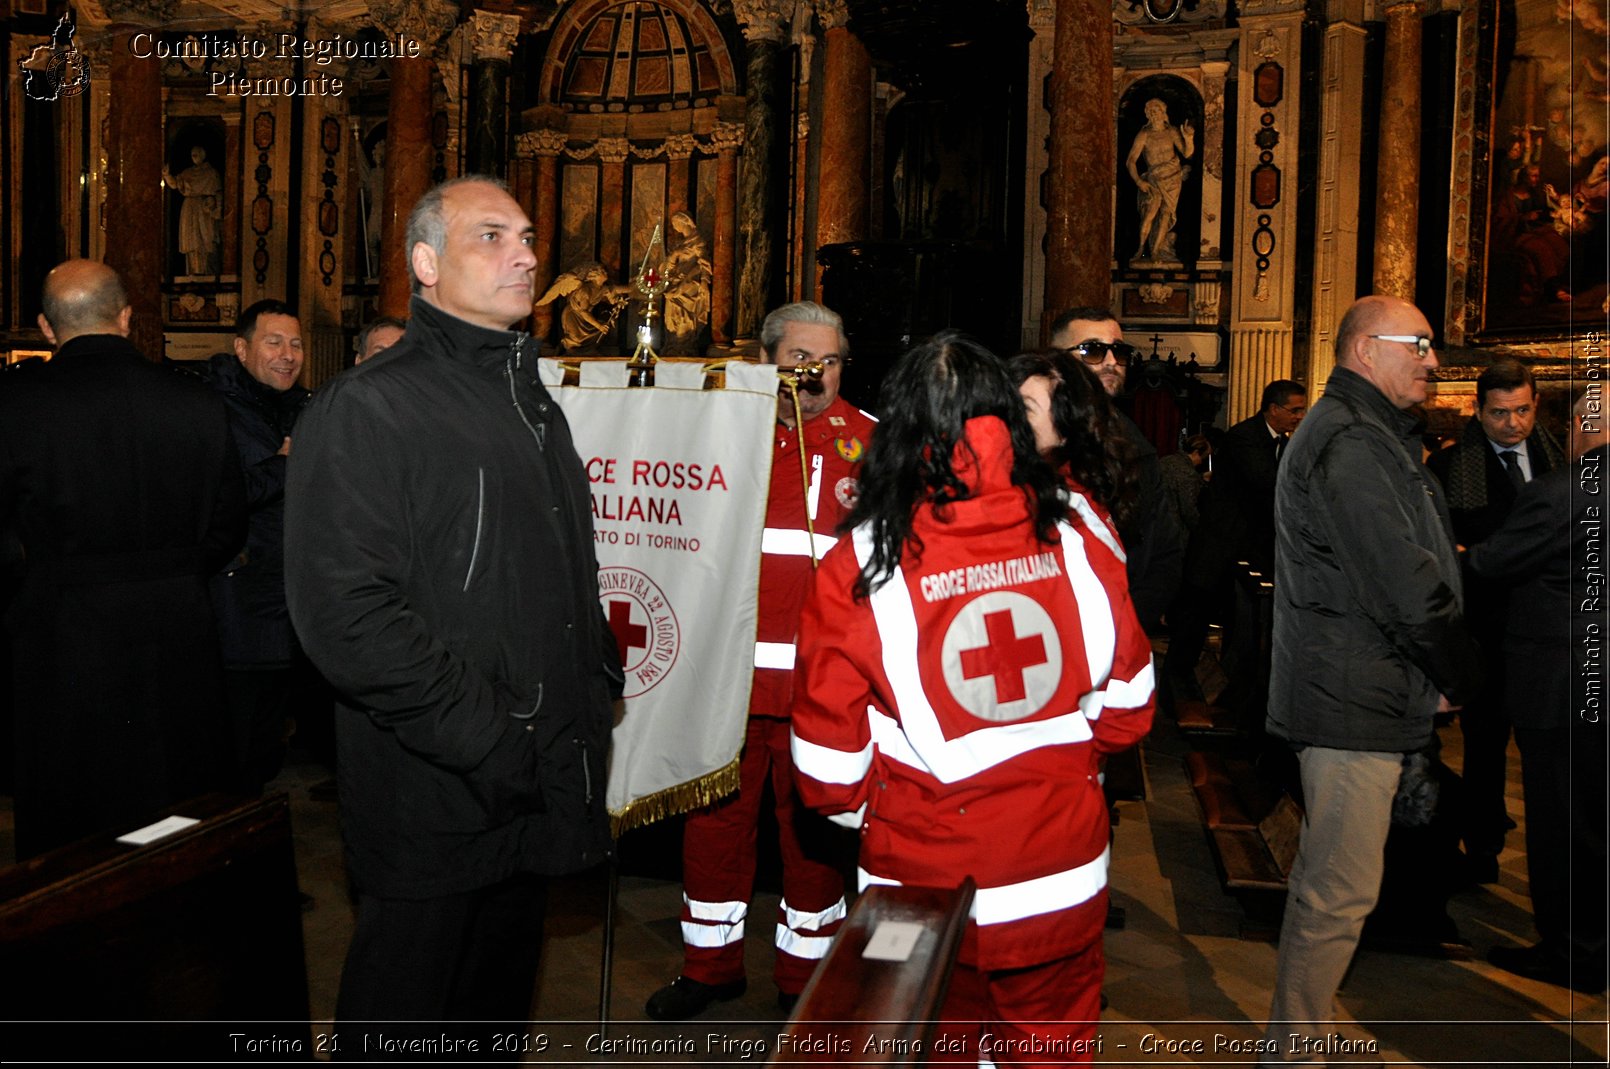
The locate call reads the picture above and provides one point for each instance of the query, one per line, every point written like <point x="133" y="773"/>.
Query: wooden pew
<point x="852" y="998"/>
<point x="128" y="952"/>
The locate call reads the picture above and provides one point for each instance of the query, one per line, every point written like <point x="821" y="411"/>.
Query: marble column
<point x="1079" y="211"/>
<point x="543" y="205"/>
<point x="844" y="191"/>
<point x="725" y="140"/>
<point x="1341" y="136"/>
<point x="492" y="37"/>
<point x="612" y="153"/>
<point x="409" y="152"/>
<point x="231" y="166"/>
<point x="846" y="139"/>
<point x="763" y="32"/>
<point x="134" y="234"/>
<point x="321" y="225"/>
<point x="1397" y="173"/>
<point x="679" y="149"/>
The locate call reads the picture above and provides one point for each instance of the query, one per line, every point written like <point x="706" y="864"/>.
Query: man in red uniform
<point x="718" y="845"/>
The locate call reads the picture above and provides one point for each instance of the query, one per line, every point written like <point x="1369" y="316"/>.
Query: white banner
<point x="678" y="480"/>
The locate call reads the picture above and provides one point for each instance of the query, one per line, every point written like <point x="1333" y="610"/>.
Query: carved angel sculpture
<point x="591" y="305"/>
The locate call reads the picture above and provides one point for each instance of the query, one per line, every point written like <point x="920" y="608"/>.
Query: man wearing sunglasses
<point x="1369" y="642"/>
<point x="1152" y="539"/>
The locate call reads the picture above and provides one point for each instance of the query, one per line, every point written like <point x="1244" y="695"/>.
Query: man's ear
<point x="423" y="260"/>
<point x="44" y="328"/>
<point x="241" y="348"/>
<point x="124" y="318"/>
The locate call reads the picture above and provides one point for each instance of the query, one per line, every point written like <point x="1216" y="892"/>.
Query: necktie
<point x="1512" y="465"/>
<point x="1280" y="445"/>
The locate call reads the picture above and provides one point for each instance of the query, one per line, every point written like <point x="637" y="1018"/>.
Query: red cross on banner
<point x="1006" y="657"/>
<point x="628" y="636"/>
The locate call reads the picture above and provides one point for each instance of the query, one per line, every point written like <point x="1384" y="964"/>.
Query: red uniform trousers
<point x="1039" y="1015"/>
<point x="718" y="871"/>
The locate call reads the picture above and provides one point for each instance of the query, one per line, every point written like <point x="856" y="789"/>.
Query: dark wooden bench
<point x="178" y="940"/>
<point x="852" y="998"/>
<point x="1252" y="828"/>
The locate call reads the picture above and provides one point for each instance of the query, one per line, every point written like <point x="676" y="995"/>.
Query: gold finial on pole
<point x="651" y="283"/>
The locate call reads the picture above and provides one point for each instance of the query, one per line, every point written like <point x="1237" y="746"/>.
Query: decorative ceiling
<point x="638" y="56"/>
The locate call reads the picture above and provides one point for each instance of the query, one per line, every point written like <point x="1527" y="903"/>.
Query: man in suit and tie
<point x="1545" y="549"/>
<point x="1500" y="450"/>
<point x="1238" y="520"/>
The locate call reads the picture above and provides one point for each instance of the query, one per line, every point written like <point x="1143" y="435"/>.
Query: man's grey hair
<point x="771" y="331"/>
<point x="71" y="311"/>
<point x="427" y="224"/>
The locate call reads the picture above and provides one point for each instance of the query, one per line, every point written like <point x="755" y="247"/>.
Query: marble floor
<point x="1185" y="983"/>
<point x="1181" y="978"/>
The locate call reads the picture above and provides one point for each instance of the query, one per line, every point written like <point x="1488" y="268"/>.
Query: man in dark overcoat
<point x="120" y="479"/>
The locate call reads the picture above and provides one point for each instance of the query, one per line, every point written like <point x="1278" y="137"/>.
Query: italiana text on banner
<point x="678" y="480"/>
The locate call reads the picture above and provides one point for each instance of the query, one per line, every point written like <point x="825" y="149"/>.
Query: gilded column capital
<point x="833" y="14"/>
<point x="1405" y="9"/>
<point x="613" y="149"/>
<point x="492" y="36"/>
<point x="681" y="146"/>
<point x="426" y="21"/>
<point x="150" y="13"/>
<point x="540" y="143"/>
<point x="1042" y="16"/>
<point x="727" y="136"/>
<point x="762" y="20"/>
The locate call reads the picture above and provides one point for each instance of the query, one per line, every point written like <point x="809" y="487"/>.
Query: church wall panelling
<point x="578" y="211"/>
<point x="647" y="212"/>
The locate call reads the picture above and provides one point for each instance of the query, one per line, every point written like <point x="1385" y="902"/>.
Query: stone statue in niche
<point x="687" y="291"/>
<point x="202" y="188"/>
<point x="1165" y="150"/>
<point x="592" y="304"/>
<point x="372" y="176"/>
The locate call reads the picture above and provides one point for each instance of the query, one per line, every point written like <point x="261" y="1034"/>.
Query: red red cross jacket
<point x="835" y="442"/>
<point x="959" y="711"/>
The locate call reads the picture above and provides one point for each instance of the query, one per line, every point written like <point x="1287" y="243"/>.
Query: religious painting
<point x="1542" y="241"/>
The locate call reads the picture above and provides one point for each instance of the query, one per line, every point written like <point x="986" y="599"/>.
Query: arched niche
<point x="1183" y="103"/>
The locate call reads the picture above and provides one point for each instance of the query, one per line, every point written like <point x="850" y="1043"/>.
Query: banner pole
<point x="606" y="966"/>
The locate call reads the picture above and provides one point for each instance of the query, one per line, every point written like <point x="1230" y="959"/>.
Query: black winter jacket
<point x="248" y="596"/>
<point x="1367" y="624"/>
<point x="441" y="575"/>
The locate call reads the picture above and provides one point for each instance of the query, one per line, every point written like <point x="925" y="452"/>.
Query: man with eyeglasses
<point x="1152" y="538"/>
<point x="1500" y="450"/>
<point x="719" y="840"/>
<point x="1238" y="520"/>
<point x="1369" y="643"/>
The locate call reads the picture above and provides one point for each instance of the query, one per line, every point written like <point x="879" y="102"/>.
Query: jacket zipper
<point x="539" y="433"/>
<point x="480" y="520"/>
<point x="586" y="771"/>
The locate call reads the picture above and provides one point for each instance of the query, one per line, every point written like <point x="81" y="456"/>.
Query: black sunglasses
<point x="1095" y="352"/>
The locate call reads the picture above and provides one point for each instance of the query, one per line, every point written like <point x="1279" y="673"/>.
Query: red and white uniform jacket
<point x="960" y="710"/>
<point x="835" y="441"/>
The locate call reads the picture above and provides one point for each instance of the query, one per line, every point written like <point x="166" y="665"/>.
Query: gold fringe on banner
<point x="673" y="800"/>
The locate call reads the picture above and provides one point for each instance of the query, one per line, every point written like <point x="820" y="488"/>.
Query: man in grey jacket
<point x="1369" y="643"/>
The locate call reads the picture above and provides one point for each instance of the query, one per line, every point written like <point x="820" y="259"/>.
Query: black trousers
<point x="1563" y="777"/>
<point x="464" y="957"/>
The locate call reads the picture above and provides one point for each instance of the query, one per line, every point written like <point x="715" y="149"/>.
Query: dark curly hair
<point x="928" y="397"/>
<point x="1094" y="449"/>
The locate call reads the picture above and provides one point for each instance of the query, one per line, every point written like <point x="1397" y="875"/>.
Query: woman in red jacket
<point x="965" y="657"/>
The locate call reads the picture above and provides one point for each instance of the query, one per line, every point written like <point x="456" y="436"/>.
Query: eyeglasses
<point x="1095" y="353"/>
<point x="1421" y="342"/>
<point x="1295" y="410"/>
